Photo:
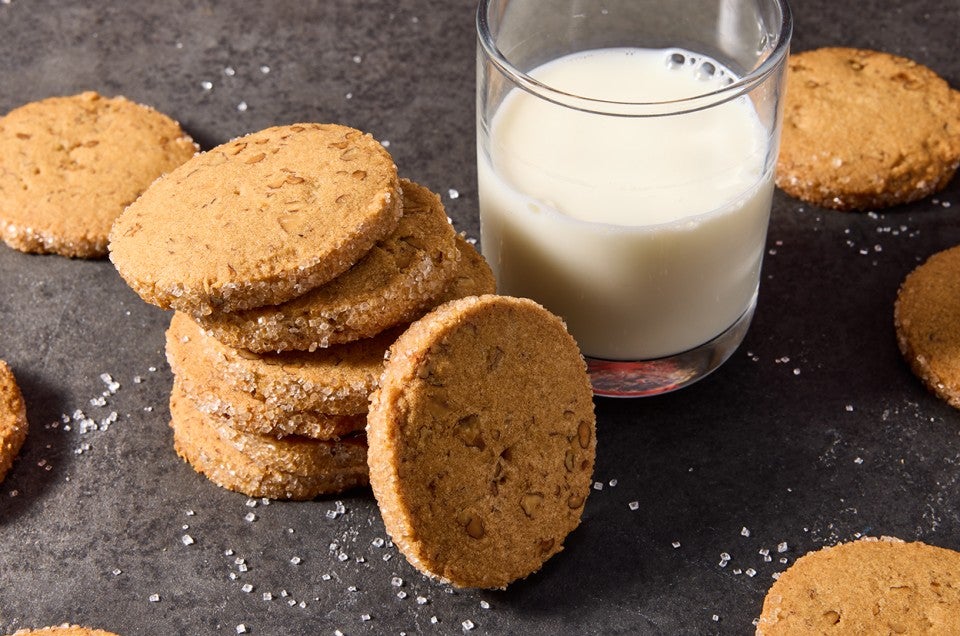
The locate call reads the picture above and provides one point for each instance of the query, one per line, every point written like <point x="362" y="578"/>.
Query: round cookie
<point x="70" y="165"/>
<point x="868" y="586"/>
<point x="13" y="419"/>
<point x="482" y="440"/>
<point x="200" y="445"/>
<point x="927" y="320"/>
<point x="396" y="282"/>
<point x="63" y="630"/>
<point x="337" y="380"/>
<point x="258" y="220"/>
<point x="473" y="276"/>
<point x="240" y="409"/>
<point x="864" y="129"/>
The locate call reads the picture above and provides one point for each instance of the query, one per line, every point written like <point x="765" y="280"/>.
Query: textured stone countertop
<point x="814" y="432"/>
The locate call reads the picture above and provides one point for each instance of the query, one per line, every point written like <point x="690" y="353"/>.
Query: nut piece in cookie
<point x="482" y="440"/>
<point x="864" y="129"/>
<point x="927" y="321"/>
<point x="868" y="586"/>
<point x="258" y="220"/>
<point x="13" y="419"/>
<point x="70" y="165"/>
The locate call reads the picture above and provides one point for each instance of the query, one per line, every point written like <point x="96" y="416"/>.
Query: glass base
<point x="616" y="378"/>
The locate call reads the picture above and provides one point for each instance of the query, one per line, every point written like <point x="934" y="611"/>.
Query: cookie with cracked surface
<point x="70" y="165"/>
<point x="396" y="282"/>
<point x="258" y="220"/>
<point x="926" y="317"/>
<point x="13" y="419"/>
<point x="864" y="129"/>
<point x="869" y="586"/>
<point x="257" y="466"/>
<point x="204" y="386"/>
<point x="337" y="380"/>
<point x="482" y="440"/>
<point x="62" y="630"/>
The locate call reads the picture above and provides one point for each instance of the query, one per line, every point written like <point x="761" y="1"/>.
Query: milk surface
<point x="645" y="234"/>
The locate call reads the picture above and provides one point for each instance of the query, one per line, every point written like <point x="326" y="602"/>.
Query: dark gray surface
<point x="815" y="431"/>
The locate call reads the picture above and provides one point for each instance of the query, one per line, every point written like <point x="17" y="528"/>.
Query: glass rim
<point x="742" y="85"/>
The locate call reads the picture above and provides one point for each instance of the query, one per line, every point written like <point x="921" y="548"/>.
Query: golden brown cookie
<point x="864" y="129"/>
<point x="315" y="467"/>
<point x="473" y="276"/>
<point x="62" y="630"/>
<point x="258" y="220"/>
<point x="200" y="382"/>
<point x="337" y="380"/>
<point x="397" y="281"/>
<point x="868" y="586"/>
<point x="927" y="320"/>
<point x="70" y="165"/>
<point x="482" y="440"/>
<point x="13" y="419"/>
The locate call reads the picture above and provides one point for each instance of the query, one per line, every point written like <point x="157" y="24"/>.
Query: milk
<point x="644" y="233"/>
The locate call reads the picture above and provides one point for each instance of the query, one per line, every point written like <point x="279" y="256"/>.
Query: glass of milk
<point x="625" y="161"/>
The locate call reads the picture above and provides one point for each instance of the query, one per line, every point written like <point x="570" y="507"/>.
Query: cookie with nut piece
<point x="926" y="317"/>
<point x="395" y="282"/>
<point x="869" y="586"/>
<point x="13" y="419"/>
<point x="262" y="466"/>
<point x="865" y="129"/>
<point x="70" y="165"/>
<point x="258" y="220"/>
<point x="202" y="384"/>
<point x="482" y="440"/>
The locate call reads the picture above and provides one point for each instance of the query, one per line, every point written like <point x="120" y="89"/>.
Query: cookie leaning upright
<point x="482" y="440"/>
<point x="869" y="586"/>
<point x="927" y="321"/>
<point x="258" y="220"/>
<point x="70" y="165"/>
<point x="864" y="129"/>
<point x="13" y="419"/>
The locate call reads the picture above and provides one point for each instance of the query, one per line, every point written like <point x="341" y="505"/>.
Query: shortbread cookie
<point x="473" y="275"/>
<point x="62" y="630"/>
<point x="70" y="165"/>
<point x="337" y="380"/>
<point x="13" y="419"/>
<point x="864" y="129"/>
<point x="927" y="320"/>
<point x="244" y="412"/>
<point x="258" y="220"/>
<point x="396" y="282"/>
<point x="869" y="586"/>
<point x="199" y="443"/>
<point x="482" y="440"/>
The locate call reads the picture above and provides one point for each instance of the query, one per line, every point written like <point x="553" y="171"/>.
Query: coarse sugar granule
<point x="295" y="560"/>
<point x="206" y="85"/>
<point x="241" y="629"/>
<point x="246" y="587"/>
<point x="751" y="572"/>
<point x="468" y="625"/>
<point x="187" y="539"/>
<point x="267" y="596"/>
<point x="396" y="581"/>
<point x="484" y="605"/>
<point x="154" y="598"/>
<point x="675" y="544"/>
<point x="365" y="617"/>
<point x="453" y="194"/>
<point x="633" y="505"/>
<point x="782" y="546"/>
<point x="250" y="517"/>
<point x="401" y="595"/>
<point x="422" y="600"/>
<point x="744" y="532"/>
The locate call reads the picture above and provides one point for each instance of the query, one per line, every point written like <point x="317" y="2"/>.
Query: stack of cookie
<point x="294" y="257"/>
